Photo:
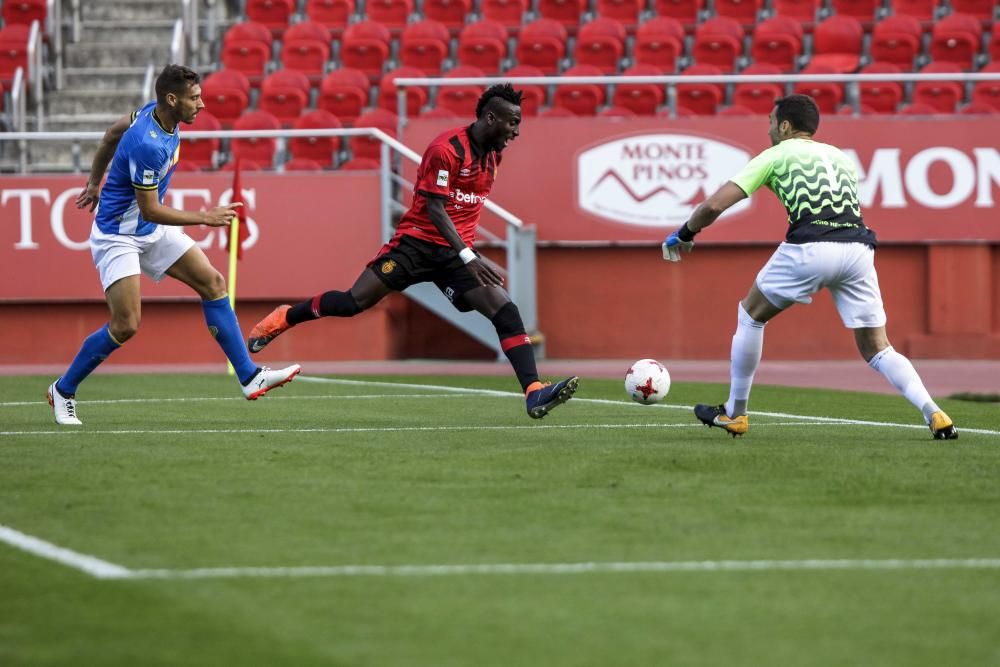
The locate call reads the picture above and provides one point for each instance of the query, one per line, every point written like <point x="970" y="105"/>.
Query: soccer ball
<point x="647" y="381"/>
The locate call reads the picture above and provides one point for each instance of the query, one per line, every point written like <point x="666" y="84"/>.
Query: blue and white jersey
<point x="144" y="160"/>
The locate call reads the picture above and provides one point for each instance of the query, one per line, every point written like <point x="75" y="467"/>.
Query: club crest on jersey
<point x="388" y="266"/>
<point x="442" y="179"/>
<point x="152" y="133"/>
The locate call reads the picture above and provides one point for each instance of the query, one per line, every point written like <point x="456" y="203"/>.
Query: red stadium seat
<point x="582" y="99"/>
<point x="803" y="11"/>
<point x="719" y="42"/>
<point x="284" y="93"/>
<point x="302" y="164"/>
<point x="828" y="96"/>
<point x="659" y="42"/>
<point x="365" y="47"/>
<point x="360" y="164"/>
<point x="245" y="165"/>
<point x="736" y="110"/>
<point x="246" y="47"/>
<point x="984" y="10"/>
<point x="978" y="109"/>
<point x="24" y="12"/>
<point x="777" y="41"/>
<point x="943" y="96"/>
<point x="13" y="52"/>
<point x="344" y="93"/>
<point x="567" y="12"/>
<point x="557" y="111"/>
<point x="369" y="147"/>
<point x="702" y="99"/>
<point x="922" y="10"/>
<point x="542" y="44"/>
<point x="837" y="44"/>
<point x="320" y="149"/>
<point x="616" y="112"/>
<point x="919" y="109"/>
<point x="994" y="47"/>
<point x="684" y="12"/>
<point x="449" y="13"/>
<point x="439" y="112"/>
<point x="532" y="97"/>
<point x="896" y="39"/>
<point x="184" y="165"/>
<point x="883" y="96"/>
<point x="461" y="99"/>
<point x="988" y="92"/>
<point x="424" y="45"/>
<point x="226" y="94"/>
<point x="484" y="45"/>
<point x="416" y="96"/>
<point x="391" y="13"/>
<point x="744" y="11"/>
<point x="271" y="13"/>
<point x="642" y="98"/>
<point x="625" y="12"/>
<point x="201" y="152"/>
<point x="334" y="14"/>
<point x="955" y="39"/>
<point x="758" y="97"/>
<point x="508" y="13"/>
<point x="258" y="150"/>
<point x="306" y="48"/>
<point x="601" y="43"/>
<point x="862" y="10"/>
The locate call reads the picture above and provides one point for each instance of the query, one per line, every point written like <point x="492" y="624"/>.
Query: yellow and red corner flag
<point x="238" y="233"/>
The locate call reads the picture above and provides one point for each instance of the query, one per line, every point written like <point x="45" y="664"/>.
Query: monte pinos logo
<point x="655" y="180"/>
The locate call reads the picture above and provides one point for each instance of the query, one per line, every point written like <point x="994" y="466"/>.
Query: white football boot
<point x="63" y="407"/>
<point x="267" y="379"/>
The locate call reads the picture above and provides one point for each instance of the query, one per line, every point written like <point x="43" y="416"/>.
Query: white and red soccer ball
<point x="647" y="381"/>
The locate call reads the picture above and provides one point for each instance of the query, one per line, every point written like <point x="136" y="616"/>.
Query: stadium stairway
<point x="103" y="74"/>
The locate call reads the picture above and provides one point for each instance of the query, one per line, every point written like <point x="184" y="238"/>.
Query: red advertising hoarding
<point x="613" y="179"/>
<point x="308" y="232"/>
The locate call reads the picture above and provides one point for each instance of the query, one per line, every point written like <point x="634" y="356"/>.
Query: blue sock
<point x="224" y="327"/>
<point x="95" y="349"/>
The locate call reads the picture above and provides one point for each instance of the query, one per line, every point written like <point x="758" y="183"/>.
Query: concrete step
<point x="130" y="9"/>
<point x="158" y="31"/>
<point x="103" y="78"/>
<point x="78" y="101"/>
<point x="101" y="54"/>
<point x="82" y="122"/>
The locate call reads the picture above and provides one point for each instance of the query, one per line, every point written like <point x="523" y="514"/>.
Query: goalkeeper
<point x="827" y="245"/>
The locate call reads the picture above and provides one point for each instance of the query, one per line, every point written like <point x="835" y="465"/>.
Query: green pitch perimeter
<point x="606" y="534"/>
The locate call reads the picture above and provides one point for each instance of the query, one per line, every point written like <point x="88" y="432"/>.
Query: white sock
<point x="900" y="373"/>
<point x="744" y="358"/>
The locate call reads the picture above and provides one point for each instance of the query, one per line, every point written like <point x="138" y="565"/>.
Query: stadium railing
<point x="672" y="80"/>
<point x="518" y="241"/>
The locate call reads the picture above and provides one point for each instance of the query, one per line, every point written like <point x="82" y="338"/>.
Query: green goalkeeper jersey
<point x="818" y="186"/>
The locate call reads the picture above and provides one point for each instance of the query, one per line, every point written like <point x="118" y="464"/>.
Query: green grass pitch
<point x="471" y="526"/>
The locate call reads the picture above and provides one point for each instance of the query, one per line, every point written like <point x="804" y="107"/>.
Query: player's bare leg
<point x="194" y="269"/>
<point x="748" y="344"/>
<point x="873" y="344"/>
<point x="540" y="398"/>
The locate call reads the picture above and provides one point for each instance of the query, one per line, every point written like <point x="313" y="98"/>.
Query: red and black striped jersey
<point x="456" y="170"/>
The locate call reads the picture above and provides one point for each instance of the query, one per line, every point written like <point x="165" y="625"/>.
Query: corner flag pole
<point x="234" y="244"/>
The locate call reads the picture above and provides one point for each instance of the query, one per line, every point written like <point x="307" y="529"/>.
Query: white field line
<point x="101" y="569"/>
<point x="467" y="391"/>
<point x="205" y="399"/>
<point x="95" y="567"/>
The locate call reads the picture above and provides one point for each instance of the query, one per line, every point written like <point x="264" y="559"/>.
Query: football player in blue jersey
<point x="134" y="232"/>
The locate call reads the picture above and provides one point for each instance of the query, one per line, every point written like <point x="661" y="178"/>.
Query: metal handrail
<point x="35" y="74"/>
<point x="177" y="43"/>
<point x="189" y="17"/>
<point x="54" y="30"/>
<point x="77" y="21"/>
<point x="147" y="82"/>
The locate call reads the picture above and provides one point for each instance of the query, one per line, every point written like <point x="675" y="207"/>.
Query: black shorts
<point x="408" y="260"/>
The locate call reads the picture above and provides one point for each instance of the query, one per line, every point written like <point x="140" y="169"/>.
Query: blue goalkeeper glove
<point x="681" y="239"/>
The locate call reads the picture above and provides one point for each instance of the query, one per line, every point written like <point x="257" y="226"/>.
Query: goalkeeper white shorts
<point x="118" y="256"/>
<point x="797" y="271"/>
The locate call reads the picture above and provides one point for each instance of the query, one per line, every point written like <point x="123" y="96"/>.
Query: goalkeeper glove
<point x="681" y="239"/>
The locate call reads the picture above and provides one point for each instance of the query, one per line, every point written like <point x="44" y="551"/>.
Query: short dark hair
<point x="503" y="91"/>
<point x="799" y="110"/>
<point x="175" y="79"/>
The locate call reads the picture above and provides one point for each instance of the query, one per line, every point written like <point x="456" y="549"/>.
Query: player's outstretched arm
<point x="102" y="158"/>
<point x="152" y="210"/>
<point x="483" y="271"/>
<point x="704" y="215"/>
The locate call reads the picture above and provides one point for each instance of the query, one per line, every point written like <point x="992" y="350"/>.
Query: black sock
<point x="515" y="344"/>
<point x="327" y="304"/>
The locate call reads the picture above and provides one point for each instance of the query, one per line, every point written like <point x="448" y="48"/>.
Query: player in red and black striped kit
<point x="433" y="243"/>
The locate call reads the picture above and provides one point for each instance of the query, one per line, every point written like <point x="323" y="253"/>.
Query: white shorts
<point x="797" y="271"/>
<point x="118" y="256"/>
